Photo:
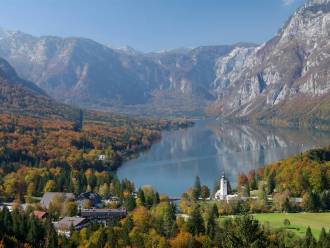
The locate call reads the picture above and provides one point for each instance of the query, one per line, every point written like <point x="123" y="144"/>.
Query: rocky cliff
<point x="83" y="72"/>
<point x="287" y="78"/>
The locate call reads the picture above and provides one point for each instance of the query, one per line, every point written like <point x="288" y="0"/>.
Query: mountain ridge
<point x="274" y="81"/>
<point x="290" y="71"/>
<point x="83" y="72"/>
<point x="18" y="96"/>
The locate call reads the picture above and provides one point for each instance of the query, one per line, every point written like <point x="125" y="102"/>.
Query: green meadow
<point x="298" y="221"/>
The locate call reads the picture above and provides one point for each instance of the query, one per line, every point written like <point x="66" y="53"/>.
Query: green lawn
<point x="298" y="221"/>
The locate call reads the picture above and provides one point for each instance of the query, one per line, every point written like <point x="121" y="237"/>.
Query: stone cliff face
<point x="281" y="74"/>
<point x="84" y="72"/>
<point x="286" y="79"/>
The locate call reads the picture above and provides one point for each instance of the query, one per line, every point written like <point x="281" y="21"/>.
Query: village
<point x="90" y="210"/>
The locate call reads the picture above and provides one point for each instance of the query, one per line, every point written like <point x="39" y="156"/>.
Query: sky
<point x="150" y="25"/>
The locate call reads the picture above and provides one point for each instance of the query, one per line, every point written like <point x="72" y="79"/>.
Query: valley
<point x="209" y="149"/>
<point x="205" y="146"/>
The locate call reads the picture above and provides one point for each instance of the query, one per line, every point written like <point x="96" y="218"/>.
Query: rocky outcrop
<point x="285" y="80"/>
<point x="276" y="79"/>
<point x="83" y="72"/>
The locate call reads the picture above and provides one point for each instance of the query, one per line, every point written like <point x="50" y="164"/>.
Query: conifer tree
<point x="271" y="183"/>
<point x="197" y="189"/>
<point x="141" y="197"/>
<point x="309" y="240"/>
<point x="130" y="203"/>
<point x="155" y="199"/>
<point x="323" y="240"/>
<point x="211" y="224"/>
<point x="51" y="236"/>
<point x="169" y="223"/>
<point x="215" y="210"/>
<point x="195" y="224"/>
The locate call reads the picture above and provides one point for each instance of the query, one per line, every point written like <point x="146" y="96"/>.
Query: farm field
<point x="298" y="221"/>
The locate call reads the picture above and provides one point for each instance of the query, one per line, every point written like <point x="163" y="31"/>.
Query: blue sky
<point x="150" y="25"/>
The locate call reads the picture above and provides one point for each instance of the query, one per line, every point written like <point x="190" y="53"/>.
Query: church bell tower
<point x="223" y="186"/>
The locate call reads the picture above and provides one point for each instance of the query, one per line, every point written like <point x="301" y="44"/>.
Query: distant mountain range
<point x="83" y="72"/>
<point x="286" y="80"/>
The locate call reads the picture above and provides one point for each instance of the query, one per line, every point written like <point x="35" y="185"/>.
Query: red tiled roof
<point x="39" y="214"/>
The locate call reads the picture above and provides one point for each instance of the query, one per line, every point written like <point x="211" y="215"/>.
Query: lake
<point x="209" y="149"/>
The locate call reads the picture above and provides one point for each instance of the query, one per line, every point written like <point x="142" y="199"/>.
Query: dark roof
<point x="67" y="222"/>
<point x="48" y="197"/>
<point x="103" y="213"/>
<point x="89" y="196"/>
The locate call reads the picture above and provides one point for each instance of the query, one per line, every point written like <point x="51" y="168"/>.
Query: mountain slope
<point x="86" y="73"/>
<point x="24" y="97"/>
<point x="287" y="78"/>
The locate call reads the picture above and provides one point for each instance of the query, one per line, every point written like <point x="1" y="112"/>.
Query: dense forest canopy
<point x="35" y="150"/>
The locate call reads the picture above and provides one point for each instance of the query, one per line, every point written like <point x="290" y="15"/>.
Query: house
<point x="12" y="205"/>
<point x="101" y="157"/>
<point x="111" y="200"/>
<point x="296" y="200"/>
<point x="8" y="205"/>
<point x="103" y="214"/>
<point x="89" y="198"/>
<point x="48" y="197"/>
<point x="40" y="214"/>
<point x="67" y="224"/>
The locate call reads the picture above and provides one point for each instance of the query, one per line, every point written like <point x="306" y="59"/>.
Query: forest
<point x="40" y="154"/>
<point x="153" y="223"/>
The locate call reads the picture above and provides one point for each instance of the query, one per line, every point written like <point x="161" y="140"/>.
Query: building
<point x="296" y="200"/>
<point x="93" y="200"/>
<point x="8" y="205"/>
<point x="12" y="205"/>
<point x="48" y="197"/>
<point x="40" y="214"/>
<point x="222" y="193"/>
<point x="101" y="157"/>
<point x="103" y="214"/>
<point x="111" y="200"/>
<point x="67" y="224"/>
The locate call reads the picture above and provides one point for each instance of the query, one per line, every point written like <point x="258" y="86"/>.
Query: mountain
<point x="21" y="96"/>
<point x="287" y="79"/>
<point x="284" y="81"/>
<point x="83" y="72"/>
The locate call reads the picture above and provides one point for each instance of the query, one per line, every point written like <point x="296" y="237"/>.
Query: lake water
<point x="210" y="149"/>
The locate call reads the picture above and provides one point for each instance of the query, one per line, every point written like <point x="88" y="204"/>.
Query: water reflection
<point x="209" y="149"/>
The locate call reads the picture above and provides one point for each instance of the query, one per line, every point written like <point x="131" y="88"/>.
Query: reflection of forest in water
<point x="209" y="149"/>
<point x="259" y="145"/>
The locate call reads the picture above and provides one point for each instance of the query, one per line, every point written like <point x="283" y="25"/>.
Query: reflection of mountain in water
<point x="242" y="148"/>
<point x="208" y="149"/>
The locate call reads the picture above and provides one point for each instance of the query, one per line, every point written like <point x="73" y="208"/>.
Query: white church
<point x="222" y="193"/>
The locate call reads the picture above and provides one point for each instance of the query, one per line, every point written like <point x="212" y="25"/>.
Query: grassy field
<point x="298" y="221"/>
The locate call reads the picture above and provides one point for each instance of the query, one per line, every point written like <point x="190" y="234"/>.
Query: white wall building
<point x="101" y="157"/>
<point x="222" y="193"/>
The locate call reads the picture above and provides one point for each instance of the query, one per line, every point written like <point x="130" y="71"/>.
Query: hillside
<point x="83" y="72"/>
<point x="284" y="80"/>
<point x="23" y="97"/>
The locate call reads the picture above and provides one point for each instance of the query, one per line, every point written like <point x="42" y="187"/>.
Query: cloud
<point x="288" y="2"/>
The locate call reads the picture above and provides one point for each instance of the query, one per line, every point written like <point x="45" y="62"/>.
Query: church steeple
<point x="223" y="186"/>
